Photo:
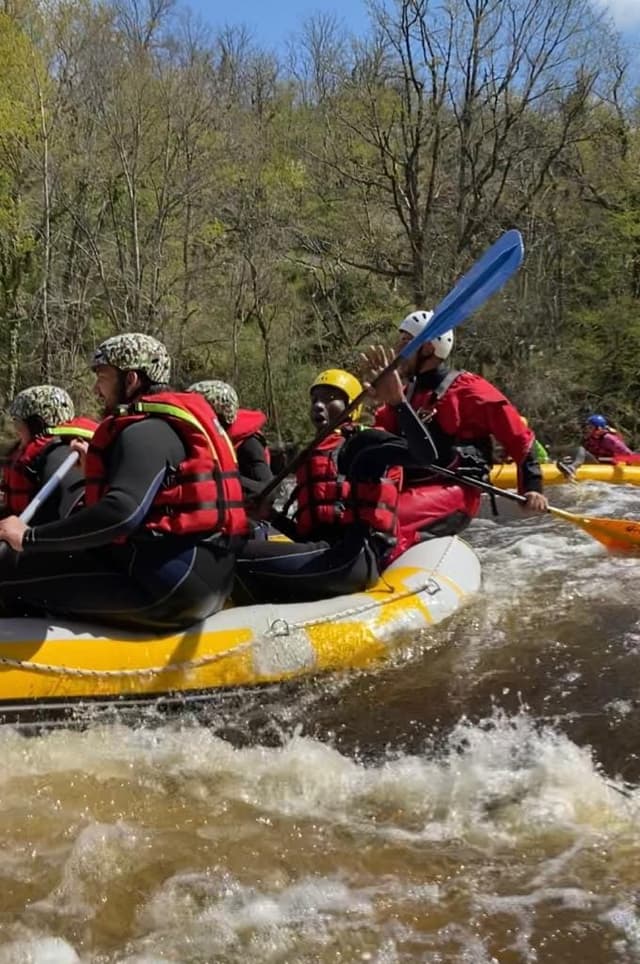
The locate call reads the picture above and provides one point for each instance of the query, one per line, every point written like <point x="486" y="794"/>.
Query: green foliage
<point x="267" y="225"/>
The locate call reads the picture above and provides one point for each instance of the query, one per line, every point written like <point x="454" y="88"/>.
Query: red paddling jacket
<point x="461" y="412"/>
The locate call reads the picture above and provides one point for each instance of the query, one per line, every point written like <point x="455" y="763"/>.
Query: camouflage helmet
<point x="223" y="398"/>
<point x="135" y="352"/>
<point x="52" y="404"/>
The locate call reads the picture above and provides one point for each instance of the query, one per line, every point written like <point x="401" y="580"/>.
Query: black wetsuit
<point x="252" y="461"/>
<point x="304" y="571"/>
<point x="152" y="581"/>
<point x="341" y="560"/>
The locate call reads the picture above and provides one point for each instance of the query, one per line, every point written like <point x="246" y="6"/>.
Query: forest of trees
<point x="269" y="215"/>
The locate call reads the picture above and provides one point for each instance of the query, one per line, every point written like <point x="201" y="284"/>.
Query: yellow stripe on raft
<point x="356" y="645"/>
<point x="505" y="475"/>
<point x="40" y="662"/>
<point x="226" y="657"/>
<point x="126" y="654"/>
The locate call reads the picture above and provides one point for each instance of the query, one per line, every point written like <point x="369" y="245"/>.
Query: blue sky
<point x="272" y="22"/>
<point x="626" y="14"/>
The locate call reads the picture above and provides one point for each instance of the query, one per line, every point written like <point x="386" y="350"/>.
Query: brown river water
<point x="472" y="801"/>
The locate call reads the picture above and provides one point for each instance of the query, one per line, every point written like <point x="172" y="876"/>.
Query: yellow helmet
<point x="346" y="382"/>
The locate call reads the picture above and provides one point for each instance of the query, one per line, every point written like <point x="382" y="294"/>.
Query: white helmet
<point x="417" y="321"/>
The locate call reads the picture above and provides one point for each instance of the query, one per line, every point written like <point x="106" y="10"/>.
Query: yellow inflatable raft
<point x="504" y="475"/>
<point x="48" y="670"/>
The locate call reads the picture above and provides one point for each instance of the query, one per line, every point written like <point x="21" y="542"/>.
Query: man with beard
<point x="154" y="546"/>
<point x="457" y="414"/>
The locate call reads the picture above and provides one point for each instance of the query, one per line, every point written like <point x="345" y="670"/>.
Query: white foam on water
<point x="625" y="918"/>
<point x="219" y="912"/>
<point x="38" y="950"/>
<point x="505" y="785"/>
<point x="534" y="777"/>
<point x="527" y="564"/>
<point x="100" y="853"/>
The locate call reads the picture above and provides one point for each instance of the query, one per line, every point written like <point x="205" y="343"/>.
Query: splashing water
<point x="471" y="802"/>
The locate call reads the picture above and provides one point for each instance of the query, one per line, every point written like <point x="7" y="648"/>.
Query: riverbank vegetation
<point x="269" y="214"/>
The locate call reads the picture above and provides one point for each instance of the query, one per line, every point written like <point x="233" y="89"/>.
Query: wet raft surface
<point x="465" y="803"/>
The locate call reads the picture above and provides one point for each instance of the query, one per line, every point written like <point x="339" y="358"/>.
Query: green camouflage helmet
<point x="223" y="398"/>
<point x="135" y="352"/>
<point x="52" y="404"/>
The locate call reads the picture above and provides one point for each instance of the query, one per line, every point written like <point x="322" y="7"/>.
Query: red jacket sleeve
<point x="474" y="408"/>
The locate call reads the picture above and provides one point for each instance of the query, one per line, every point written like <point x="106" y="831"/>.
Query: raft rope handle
<point x="48" y="668"/>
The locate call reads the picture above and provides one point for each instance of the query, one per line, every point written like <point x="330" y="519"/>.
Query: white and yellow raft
<point x="49" y="670"/>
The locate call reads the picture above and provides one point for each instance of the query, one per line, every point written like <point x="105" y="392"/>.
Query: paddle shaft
<point x="50" y="486"/>
<point x="43" y="494"/>
<point x="478" y="484"/>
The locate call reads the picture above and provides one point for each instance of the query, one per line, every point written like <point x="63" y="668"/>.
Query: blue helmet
<point x="598" y="421"/>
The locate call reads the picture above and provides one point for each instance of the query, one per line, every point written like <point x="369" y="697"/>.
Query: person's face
<point x="419" y="361"/>
<point x="107" y="387"/>
<point x="114" y="387"/>
<point x="327" y="403"/>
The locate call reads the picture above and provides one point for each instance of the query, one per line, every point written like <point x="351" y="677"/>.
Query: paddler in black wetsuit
<point x="347" y="519"/>
<point x="154" y="548"/>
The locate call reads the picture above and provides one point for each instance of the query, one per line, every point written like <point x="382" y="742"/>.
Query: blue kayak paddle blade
<point x="482" y="281"/>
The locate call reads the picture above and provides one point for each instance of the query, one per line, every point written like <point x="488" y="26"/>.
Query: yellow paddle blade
<point x="617" y="535"/>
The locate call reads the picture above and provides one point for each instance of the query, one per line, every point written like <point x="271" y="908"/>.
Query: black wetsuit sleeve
<point x="138" y="464"/>
<point x="252" y="461"/>
<point x="530" y="474"/>
<point x="70" y="488"/>
<point x="421" y="446"/>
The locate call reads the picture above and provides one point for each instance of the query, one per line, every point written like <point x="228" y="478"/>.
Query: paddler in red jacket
<point x="460" y="412"/>
<point x="243" y="426"/>
<point x="604" y="442"/>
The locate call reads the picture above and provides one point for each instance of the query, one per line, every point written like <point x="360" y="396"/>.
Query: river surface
<point x="472" y="801"/>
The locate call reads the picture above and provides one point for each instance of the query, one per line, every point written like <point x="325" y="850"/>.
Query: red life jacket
<point x="325" y="498"/>
<point x="249" y="422"/>
<point x="203" y="493"/>
<point x="425" y="403"/>
<point x="21" y="477"/>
